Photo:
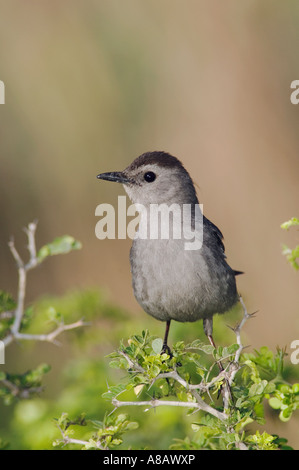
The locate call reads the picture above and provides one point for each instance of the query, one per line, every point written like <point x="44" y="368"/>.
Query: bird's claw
<point x="166" y="350"/>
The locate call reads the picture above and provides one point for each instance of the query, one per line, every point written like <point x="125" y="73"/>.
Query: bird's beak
<point x="116" y="176"/>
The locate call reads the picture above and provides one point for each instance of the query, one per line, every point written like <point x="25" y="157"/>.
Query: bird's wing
<point x="217" y="237"/>
<point x="215" y="232"/>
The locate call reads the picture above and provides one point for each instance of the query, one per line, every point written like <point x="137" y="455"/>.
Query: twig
<point x="21" y="288"/>
<point x="50" y="337"/>
<point x="202" y="387"/>
<point x="18" y="313"/>
<point x="30" y="231"/>
<point x="6" y="315"/>
<point x="200" y="405"/>
<point x="69" y="440"/>
<point x="132" y="364"/>
<point x="235" y="366"/>
<point x="22" y="270"/>
<point x="18" y="392"/>
<point x="246" y="317"/>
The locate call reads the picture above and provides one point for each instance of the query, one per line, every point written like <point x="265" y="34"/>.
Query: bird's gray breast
<point x="170" y="282"/>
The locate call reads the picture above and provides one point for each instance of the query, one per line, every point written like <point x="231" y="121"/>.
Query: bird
<point x="170" y="282"/>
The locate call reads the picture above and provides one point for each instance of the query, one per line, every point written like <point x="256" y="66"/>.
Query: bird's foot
<point x="166" y="350"/>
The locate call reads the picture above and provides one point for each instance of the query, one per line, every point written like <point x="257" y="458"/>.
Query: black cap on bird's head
<point x="155" y="177"/>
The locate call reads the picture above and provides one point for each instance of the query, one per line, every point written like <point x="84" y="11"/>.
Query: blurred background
<point x="91" y="85"/>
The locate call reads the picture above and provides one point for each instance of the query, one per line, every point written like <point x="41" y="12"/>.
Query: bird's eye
<point x="149" y="176"/>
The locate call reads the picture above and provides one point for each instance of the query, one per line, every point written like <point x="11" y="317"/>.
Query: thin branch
<point x="21" y="288"/>
<point x="132" y="364"/>
<point x="174" y="375"/>
<point x="8" y="339"/>
<point x="19" y="310"/>
<point x="69" y="440"/>
<point x="11" y="387"/>
<point x="21" y="300"/>
<point x="19" y="392"/>
<point x="50" y="337"/>
<point x="22" y="270"/>
<point x="235" y="366"/>
<point x="30" y="231"/>
<point x="6" y="315"/>
<point x="15" y="254"/>
<point x="241" y="446"/>
<point x="202" y="386"/>
<point x="201" y="405"/>
<point x="239" y="327"/>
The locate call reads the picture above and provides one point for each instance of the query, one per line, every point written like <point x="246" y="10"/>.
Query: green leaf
<point x="54" y="315"/>
<point x="60" y="245"/>
<point x="155" y="370"/>
<point x="132" y="425"/>
<point x="233" y="348"/>
<point x="6" y="302"/>
<point x="116" y="442"/>
<point x="259" y="410"/>
<point x="286" y="414"/>
<point x="35" y="376"/>
<point x="157" y="345"/>
<point x="270" y="387"/>
<point x="290" y="223"/>
<point x="263" y="441"/>
<point x="197" y="344"/>
<point x="257" y="388"/>
<point x="2" y="375"/>
<point x="275" y="403"/>
<point x="114" y="391"/>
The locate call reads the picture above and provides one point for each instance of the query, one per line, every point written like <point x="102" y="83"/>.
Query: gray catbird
<point x="171" y="282"/>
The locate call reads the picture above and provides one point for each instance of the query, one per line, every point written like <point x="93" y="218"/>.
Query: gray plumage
<point x="170" y="282"/>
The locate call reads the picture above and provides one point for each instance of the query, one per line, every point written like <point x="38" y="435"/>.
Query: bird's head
<point x="155" y="178"/>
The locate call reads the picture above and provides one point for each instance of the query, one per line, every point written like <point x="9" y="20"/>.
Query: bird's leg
<point x="165" y="347"/>
<point x="208" y="329"/>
